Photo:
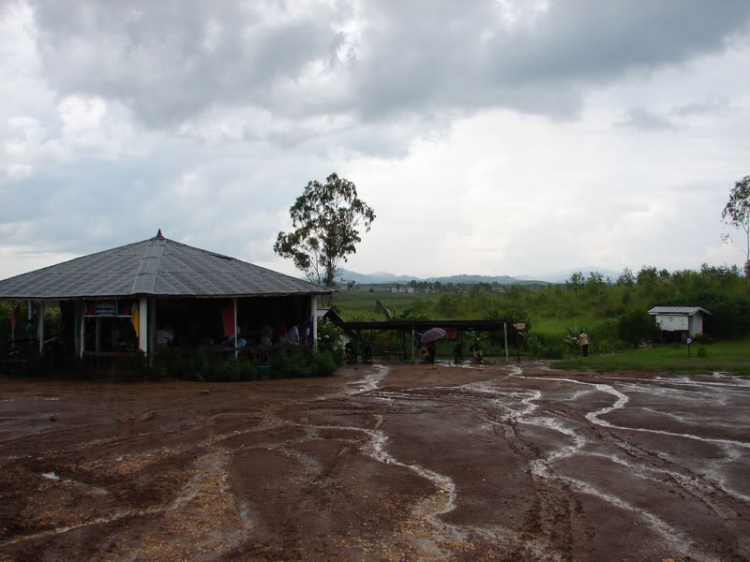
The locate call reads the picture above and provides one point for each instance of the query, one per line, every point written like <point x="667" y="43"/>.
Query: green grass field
<point x="360" y="305"/>
<point x="732" y="357"/>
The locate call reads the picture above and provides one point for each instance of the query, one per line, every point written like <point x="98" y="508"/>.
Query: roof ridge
<point x="145" y="278"/>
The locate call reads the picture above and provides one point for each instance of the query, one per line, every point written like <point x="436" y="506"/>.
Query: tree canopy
<point x="326" y="219"/>
<point x="737" y="213"/>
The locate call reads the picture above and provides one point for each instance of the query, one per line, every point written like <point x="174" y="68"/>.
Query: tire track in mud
<point x="548" y="527"/>
<point x="212" y="460"/>
<point x="677" y="541"/>
<point x="195" y="506"/>
<point x="545" y="520"/>
<point x="435" y="534"/>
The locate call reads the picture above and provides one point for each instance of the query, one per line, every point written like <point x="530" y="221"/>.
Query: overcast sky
<point x="491" y="137"/>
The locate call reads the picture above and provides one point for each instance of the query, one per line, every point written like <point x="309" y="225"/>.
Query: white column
<point x="143" y="325"/>
<point x="40" y="327"/>
<point x="314" y="327"/>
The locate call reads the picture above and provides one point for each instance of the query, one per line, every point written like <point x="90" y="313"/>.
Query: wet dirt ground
<point x="398" y="462"/>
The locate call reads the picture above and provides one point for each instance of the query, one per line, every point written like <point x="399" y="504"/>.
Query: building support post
<point x="40" y="327"/>
<point x="13" y="320"/>
<point x="143" y="325"/>
<point x="152" y="327"/>
<point x="314" y="327"/>
<point x="82" y="332"/>
<point x="505" y="330"/>
<point x="236" y="349"/>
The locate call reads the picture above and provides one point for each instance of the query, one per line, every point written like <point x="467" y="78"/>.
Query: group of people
<point x="284" y="336"/>
<point x="428" y="351"/>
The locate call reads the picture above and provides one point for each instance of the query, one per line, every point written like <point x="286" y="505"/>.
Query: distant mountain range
<point x="553" y="277"/>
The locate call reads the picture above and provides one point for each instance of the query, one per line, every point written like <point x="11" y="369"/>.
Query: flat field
<point x="361" y="304"/>
<point x="728" y="356"/>
<point x="385" y="462"/>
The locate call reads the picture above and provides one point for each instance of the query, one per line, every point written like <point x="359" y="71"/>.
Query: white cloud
<point x="489" y="138"/>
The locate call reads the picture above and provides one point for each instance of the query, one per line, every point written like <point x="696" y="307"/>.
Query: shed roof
<point x="154" y="267"/>
<point x="677" y="310"/>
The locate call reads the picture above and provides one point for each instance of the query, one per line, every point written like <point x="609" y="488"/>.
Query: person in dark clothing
<point x="431" y="349"/>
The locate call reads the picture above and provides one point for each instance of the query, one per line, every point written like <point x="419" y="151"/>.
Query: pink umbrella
<point x="433" y="334"/>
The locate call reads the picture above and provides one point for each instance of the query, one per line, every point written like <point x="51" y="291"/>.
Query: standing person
<point x="583" y="343"/>
<point x="476" y="351"/>
<point x="431" y="349"/>
<point x="292" y="335"/>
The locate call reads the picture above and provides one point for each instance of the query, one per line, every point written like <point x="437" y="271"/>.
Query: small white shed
<point x="680" y="318"/>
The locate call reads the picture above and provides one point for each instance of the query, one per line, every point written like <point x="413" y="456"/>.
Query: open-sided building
<point x="144" y="294"/>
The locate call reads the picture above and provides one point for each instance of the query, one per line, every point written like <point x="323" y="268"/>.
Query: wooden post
<point x="13" y="320"/>
<point x="98" y="339"/>
<point x="236" y="349"/>
<point x="412" y="343"/>
<point x="82" y="333"/>
<point x="152" y="327"/>
<point x="505" y="330"/>
<point x="314" y="327"/>
<point x="40" y="327"/>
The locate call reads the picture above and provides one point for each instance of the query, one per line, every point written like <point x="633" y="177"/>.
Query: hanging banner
<point x="135" y="319"/>
<point x="227" y="320"/>
<point x="105" y="308"/>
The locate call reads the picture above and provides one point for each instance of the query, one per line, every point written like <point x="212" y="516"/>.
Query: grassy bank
<point x="732" y="357"/>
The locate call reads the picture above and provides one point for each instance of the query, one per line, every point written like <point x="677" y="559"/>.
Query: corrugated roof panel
<point x="145" y="279"/>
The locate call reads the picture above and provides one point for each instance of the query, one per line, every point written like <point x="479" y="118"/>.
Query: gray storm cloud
<point x="171" y="62"/>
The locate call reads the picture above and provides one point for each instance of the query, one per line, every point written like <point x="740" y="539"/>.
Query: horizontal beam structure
<point x="463" y="325"/>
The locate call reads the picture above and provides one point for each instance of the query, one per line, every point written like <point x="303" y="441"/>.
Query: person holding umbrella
<point x="429" y="339"/>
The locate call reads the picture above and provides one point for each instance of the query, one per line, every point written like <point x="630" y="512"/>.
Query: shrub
<point x="248" y="370"/>
<point x="297" y="365"/>
<point x="448" y="304"/>
<point x="324" y="364"/>
<point x="278" y="365"/>
<point x="330" y="340"/>
<point x="540" y="350"/>
<point x="637" y="326"/>
<point x="228" y="371"/>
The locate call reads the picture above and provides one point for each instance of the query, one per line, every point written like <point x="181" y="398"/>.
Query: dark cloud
<point x="172" y="61"/>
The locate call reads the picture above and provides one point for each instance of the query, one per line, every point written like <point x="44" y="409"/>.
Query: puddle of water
<point x="369" y="382"/>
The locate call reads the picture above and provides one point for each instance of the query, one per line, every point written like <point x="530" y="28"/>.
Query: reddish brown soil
<point x="379" y="463"/>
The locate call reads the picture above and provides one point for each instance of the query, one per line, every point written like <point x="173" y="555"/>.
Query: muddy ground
<point x="379" y="463"/>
